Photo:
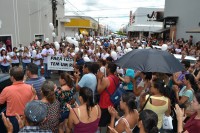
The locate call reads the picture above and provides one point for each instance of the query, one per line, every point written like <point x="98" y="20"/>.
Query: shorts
<point x="64" y="115"/>
<point x="105" y="118"/>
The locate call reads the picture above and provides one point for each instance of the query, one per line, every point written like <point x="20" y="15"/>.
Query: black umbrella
<point x="150" y="60"/>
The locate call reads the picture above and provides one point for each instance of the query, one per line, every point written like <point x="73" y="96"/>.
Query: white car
<point x="191" y="59"/>
<point x="156" y="47"/>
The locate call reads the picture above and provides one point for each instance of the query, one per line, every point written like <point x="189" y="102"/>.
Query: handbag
<point x="115" y="97"/>
<point x="167" y="122"/>
<point x="136" y="129"/>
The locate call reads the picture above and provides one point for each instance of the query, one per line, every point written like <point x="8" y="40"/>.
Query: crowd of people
<point x="81" y="103"/>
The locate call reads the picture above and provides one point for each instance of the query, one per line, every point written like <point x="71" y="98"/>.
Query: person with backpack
<point x="105" y="85"/>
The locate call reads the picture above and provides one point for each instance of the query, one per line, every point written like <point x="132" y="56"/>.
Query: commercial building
<point x="78" y="24"/>
<point x="142" y="25"/>
<point x="182" y="17"/>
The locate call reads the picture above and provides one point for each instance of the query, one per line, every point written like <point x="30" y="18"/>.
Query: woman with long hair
<point x="53" y="107"/>
<point x="143" y="85"/>
<point x="185" y="96"/>
<point x="128" y="106"/>
<point x="158" y="101"/>
<point x="26" y="58"/>
<point x="85" y="118"/>
<point x="37" y="60"/>
<point x="14" y="57"/>
<point x="4" y="61"/>
<point x="64" y="94"/>
<point x="147" y="123"/>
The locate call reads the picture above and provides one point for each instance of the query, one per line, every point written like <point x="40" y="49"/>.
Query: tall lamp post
<point x="99" y="24"/>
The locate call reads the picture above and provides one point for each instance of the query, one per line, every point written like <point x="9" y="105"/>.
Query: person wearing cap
<point x="35" y="113"/>
<point x="47" y="51"/>
<point x="127" y="80"/>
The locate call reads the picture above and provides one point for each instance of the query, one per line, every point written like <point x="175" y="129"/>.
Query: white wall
<point x="189" y="16"/>
<point x="24" y="18"/>
<point x="141" y="20"/>
<point x="70" y="32"/>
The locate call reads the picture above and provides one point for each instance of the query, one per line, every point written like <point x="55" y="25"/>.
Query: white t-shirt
<point x="37" y="56"/>
<point x="14" y="57"/>
<point x="90" y="51"/>
<point x="49" y="51"/>
<point x="104" y="56"/>
<point x="27" y="59"/>
<point x="103" y="70"/>
<point x="59" y="54"/>
<point x="5" y="60"/>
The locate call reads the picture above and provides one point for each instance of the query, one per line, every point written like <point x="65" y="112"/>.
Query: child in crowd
<point x="127" y="84"/>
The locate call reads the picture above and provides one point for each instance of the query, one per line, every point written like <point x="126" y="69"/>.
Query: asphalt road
<point x="55" y="77"/>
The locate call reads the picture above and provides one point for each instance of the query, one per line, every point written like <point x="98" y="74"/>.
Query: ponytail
<point x="154" y="130"/>
<point x="87" y="95"/>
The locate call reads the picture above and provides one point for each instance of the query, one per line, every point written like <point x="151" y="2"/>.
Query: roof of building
<point x="82" y="17"/>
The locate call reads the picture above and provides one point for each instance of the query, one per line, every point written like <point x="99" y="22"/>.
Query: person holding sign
<point x="47" y="51"/>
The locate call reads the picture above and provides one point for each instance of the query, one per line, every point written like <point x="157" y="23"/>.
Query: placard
<point x="60" y="63"/>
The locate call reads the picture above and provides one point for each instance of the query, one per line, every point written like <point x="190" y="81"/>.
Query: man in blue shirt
<point x="34" y="79"/>
<point x="88" y="80"/>
<point x="106" y="44"/>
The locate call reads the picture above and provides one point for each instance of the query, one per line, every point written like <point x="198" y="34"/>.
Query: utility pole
<point x="98" y="27"/>
<point x="54" y="15"/>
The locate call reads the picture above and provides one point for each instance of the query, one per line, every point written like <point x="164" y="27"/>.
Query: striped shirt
<point x="37" y="84"/>
<point x="33" y="129"/>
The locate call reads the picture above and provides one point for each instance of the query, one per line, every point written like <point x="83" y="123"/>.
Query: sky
<point x="114" y="13"/>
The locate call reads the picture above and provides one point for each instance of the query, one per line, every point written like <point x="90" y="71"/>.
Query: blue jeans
<point x="39" y="70"/>
<point x="15" y="124"/>
<point x="24" y="66"/>
<point x="5" y="69"/>
<point x="46" y="71"/>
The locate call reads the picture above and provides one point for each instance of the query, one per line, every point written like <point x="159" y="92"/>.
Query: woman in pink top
<point x="85" y="118"/>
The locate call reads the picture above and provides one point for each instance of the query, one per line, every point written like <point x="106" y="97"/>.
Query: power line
<point x="141" y="15"/>
<point x="115" y="9"/>
<point x="74" y="7"/>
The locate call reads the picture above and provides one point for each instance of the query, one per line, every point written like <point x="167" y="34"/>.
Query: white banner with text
<point x="60" y="63"/>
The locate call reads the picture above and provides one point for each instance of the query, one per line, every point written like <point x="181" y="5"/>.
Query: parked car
<point x="191" y="59"/>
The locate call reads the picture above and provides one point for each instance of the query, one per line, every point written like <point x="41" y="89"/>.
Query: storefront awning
<point x="196" y="30"/>
<point x="83" y="31"/>
<point x="169" y="20"/>
<point x="162" y="30"/>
